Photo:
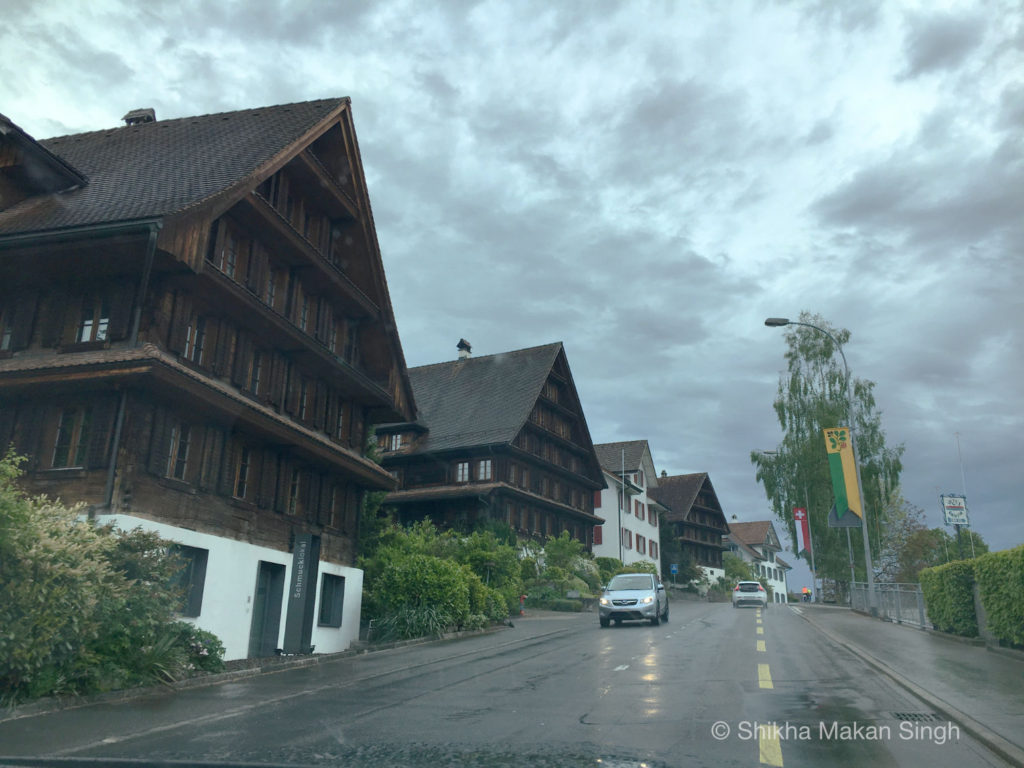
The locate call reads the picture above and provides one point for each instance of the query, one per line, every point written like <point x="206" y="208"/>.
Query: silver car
<point x="749" y="593"/>
<point x="633" y="597"/>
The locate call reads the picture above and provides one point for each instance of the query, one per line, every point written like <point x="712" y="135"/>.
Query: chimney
<point x="139" y="116"/>
<point x="465" y="349"/>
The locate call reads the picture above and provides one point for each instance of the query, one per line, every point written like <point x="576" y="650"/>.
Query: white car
<point x="749" y="593"/>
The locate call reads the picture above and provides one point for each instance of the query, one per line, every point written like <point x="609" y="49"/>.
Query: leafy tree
<point x="812" y="396"/>
<point x="736" y="569"/>
<point x="561" y="552"/>
<point x="929" y="547"/>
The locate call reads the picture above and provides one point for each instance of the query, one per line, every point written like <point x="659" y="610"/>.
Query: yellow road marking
<point x="761" y="646"/>
<point x="764" y="676"/>
<point x="769" y="747"/>
<point x="759" y="621"/>
<point x="760" y="630"/>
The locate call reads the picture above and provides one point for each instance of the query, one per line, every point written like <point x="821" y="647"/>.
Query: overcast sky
<point x="646" y="182"/>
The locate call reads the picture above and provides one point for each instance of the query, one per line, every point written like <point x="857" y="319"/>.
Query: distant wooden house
<point x="502" y="438"/>
<point x="695" y="519"/>
<point x="195" y="332"/>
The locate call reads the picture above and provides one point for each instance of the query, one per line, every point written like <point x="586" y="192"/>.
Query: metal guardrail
<point x="898" y="603"/>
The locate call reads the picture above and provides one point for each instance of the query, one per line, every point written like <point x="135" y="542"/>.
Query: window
<point x="94" y="320"/>
<point x="229" y="253"/>
<point x="653" y="519"/>
<point x="303" y="399"/>
<point x="177" y="457"/>
<point x="641" y="544"/>
<point x="72" y="443"/>
<point x="6" y="328"/>
<point x="598" y="535"/>
<point x="242" y="473"/>
<point x="512" y="473"/>
<point x="339" y="424"/>
<point x="195" y="339"/>
<point x="642" y="511"/>
<point x="627" y="539"/>
<point x="396" y="442"/>
<point x="462" y="472"/>
<point x="255" y="371"/>
<point x="191" y="579"/>
<point x="304" y="312"/>
<point x="332" y="600"/>
<point x="654" y="549"/>
<point x="271" y="290"/>
<point x="483" y="470"/>
<point x="294" y="487"/>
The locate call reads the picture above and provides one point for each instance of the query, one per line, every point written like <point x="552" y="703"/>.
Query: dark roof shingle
<point x="481" y="400"/>
<point x="610" y="455"/>
<point x="164" y="167"/>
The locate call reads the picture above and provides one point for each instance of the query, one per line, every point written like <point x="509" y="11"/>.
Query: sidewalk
<point x="980" y="690"/>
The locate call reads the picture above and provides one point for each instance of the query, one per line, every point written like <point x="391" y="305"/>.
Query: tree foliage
<point x="812" y="396"/>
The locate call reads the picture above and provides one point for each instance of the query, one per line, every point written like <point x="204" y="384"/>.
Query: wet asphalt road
<point x="715" y="686"/>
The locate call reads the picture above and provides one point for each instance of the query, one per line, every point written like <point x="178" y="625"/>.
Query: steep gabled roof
<point x="192" y="158"/>
<point x="30" y="166"/>
<point x="678" y="492"/>
<point x="610" y="455"/>
<point x="481" y="400"/>
<point x="753" y="534"/>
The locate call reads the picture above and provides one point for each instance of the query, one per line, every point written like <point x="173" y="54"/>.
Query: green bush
<point x="1000" y="577"/>
<point x="607" y="567"/>
<point x="528" y="569"/>
<point x="564" y="604"/>
<point x="949" y="597"/>
<point x="85" y="608"/>
<point x="639" y="567"/>
<point x="411" y="582"/>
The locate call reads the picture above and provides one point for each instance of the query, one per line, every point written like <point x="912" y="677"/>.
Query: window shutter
<point x="313" y="506"/>
<point x="222" y="347"/>
<point x="598" y="535"/>
<point x="180" y="318"/>
<point x="100" y="432"/>
<point x="319" y="395"/>
<point x="226" y="486"/>
<point x="158" y="445"/>
<point x="279" y="368"/>
<point x="53" y="324"/>
<point x="257" y="275"/>
<point x="29" y="432"/>
<point x="267" y="479"/>
<point x="243" y="357"/>
<point x="21" y="323"/>
<point x="597" y="499"/>
<point x="121" y="303"/>
<point x="281" y="471"/>
<point x="292" y="388"/>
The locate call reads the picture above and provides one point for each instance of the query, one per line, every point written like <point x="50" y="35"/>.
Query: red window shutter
<point x="598" y="535"/>
<point x="597" y="501"/>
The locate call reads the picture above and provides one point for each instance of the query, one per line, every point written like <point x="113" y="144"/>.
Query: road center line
<point x="760" y="630"/>
<point x="769" y="747"/>
<point x="761" y="646"/>
<point x="764" y="676"/>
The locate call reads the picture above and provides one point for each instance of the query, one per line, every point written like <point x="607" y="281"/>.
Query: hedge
<point x="949" y="594"/>
<point x="1000" y="577"/>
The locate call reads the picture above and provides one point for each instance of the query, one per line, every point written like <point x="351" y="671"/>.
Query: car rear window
<point x="749" y="587"/>
<point x="631" y="581"/>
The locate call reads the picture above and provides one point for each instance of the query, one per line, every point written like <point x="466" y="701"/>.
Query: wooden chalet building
<point x="695" y="519"/>
<point x="195" y="332"/>
<point x="501" y="437"/>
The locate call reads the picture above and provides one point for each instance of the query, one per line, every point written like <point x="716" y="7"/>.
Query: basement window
<point x="332" y="600"/>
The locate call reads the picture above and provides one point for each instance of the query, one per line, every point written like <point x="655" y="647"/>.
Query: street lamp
<point x="777" y="322"/>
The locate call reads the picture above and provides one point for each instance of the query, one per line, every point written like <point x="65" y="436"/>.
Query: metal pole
<point x="849" y="551"/>
<point x="810" y="535"/>
<point x="622" y="500"/>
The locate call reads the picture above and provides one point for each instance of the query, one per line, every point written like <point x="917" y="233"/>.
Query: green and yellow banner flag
<point x="843" y="470"/>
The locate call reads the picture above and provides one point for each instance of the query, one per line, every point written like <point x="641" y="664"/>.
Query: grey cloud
<point x="940" y="41"/>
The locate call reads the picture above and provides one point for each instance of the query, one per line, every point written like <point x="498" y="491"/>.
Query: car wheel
<point x="604" y="621"/>
<point x="665" y="615"/>
<point x="655" y="620"/>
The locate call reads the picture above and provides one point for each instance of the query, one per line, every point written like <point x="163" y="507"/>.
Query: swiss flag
<point x="803" y="530"/>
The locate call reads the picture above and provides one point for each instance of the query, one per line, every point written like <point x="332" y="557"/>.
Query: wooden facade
<point x="695" y="517"/>
<point x="523" y="460"/>
<point x="212" y="364"/>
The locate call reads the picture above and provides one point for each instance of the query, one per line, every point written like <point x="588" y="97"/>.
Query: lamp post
<point x="776" y="322"/>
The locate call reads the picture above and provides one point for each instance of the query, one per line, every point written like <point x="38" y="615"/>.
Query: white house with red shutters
<point x="630" y="532"/>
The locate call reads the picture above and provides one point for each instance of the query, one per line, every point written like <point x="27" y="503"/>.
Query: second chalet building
<point x="501" y="437"/>
<point x="695" y="519"/>
<point x="195" y="333"/>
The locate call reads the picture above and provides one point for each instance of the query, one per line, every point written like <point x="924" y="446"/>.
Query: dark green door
<point x="266" y="610"/>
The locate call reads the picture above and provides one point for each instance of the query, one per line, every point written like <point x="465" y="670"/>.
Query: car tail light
<point x="760" y="588"/>
<point x="736" y="588"/>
